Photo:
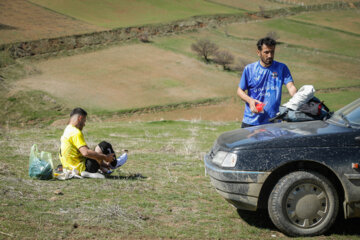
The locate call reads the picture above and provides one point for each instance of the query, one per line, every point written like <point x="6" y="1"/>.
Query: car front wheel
<point x="303" y="204"/>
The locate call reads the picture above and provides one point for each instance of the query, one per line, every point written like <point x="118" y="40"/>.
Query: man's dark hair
<point x="267" y="41"/>
<point x="78" y="111"/>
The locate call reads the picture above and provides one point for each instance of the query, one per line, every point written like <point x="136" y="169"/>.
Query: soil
<point x="22" y="21"/>
<point x="223" y="112"/>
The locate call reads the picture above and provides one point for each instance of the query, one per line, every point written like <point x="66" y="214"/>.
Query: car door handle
<point x="357" y="138"/>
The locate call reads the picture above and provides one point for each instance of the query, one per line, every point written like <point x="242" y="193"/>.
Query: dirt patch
<point x="226" y="111"/>
<point x="130" y="76"/>
<point x="23" y="21"/>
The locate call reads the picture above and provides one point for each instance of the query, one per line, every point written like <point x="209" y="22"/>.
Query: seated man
<point x="75" y="155"/>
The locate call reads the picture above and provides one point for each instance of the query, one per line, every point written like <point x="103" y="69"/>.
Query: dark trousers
<point x="92" y="166"/>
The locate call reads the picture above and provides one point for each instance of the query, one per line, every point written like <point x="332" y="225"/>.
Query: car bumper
<point x="240" y="188"/>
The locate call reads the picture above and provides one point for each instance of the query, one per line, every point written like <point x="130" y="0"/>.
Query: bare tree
<point x="204" y="48"/>
<point x="274" y="35"/>
<point x="224" y="58"/>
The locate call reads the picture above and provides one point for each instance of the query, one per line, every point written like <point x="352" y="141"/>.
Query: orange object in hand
<point x="260" y="107"/>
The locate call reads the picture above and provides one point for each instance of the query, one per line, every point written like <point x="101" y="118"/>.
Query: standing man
<point x="263" y="81"/>
<point x="74" y="152"/>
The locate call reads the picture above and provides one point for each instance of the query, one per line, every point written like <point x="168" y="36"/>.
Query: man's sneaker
<point x="120" y="161"/>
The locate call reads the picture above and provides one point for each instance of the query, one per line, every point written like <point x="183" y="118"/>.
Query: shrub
<point x="224" y="58"/>
<point x="144" y="38"/>
<point x="204" y="48"/>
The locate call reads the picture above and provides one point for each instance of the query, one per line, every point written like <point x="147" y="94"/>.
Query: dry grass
<point x="128" y="77"/>
<point x="30" y="22"/>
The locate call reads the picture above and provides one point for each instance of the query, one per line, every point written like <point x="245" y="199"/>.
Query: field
<point x="161" y="192"/>
<point x="313" y="36"/>
<point x="124" y="13"/>
<point x="345" y="20"/>
<point x="252" y="5"/>
<point x="129" y="77"/>
<point x="159" y="100"/>
<point x="23" y="21"/>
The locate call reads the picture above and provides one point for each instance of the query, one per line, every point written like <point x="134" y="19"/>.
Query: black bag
<point x="314" y="109"/>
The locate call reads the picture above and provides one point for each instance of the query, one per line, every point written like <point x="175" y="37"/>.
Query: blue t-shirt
<point x="265" y="85"/>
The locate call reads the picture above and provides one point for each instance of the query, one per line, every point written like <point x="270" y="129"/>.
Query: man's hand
<point x="252" y="102"/>
<point x="99" y="157"/>
<point x="109" y="158"/>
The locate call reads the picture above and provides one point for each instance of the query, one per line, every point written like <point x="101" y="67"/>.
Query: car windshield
<point x="348" y="115"/>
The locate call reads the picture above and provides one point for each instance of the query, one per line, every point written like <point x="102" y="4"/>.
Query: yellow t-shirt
<point x="70" y="156"/>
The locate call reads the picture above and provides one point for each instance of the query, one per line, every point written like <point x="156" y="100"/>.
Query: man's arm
<point x="99" y="157"/>
<point x="291" y="88"/>
<point x="248" y="99"/>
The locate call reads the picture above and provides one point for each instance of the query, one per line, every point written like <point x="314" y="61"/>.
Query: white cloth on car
<point x="303" y="95"/>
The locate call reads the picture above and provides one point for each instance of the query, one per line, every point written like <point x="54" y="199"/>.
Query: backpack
<point x="312" y="110"/>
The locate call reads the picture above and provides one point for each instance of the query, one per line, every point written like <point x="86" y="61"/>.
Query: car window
<point x="354" y="116"/>
<point x="348" y="115"/>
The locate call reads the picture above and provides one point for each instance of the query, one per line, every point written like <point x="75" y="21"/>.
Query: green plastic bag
<point x="40" y="165"/>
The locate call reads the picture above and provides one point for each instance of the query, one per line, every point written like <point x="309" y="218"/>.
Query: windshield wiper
<point x="347" y="122"/>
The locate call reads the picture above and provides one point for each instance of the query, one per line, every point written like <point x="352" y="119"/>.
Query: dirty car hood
<point x="286" y="135"/>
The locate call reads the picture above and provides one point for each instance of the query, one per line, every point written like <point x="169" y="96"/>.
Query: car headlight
<point x="225" y="159"/>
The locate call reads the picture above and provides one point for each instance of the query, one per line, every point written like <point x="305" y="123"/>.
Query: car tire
<point x="303" y="204"/>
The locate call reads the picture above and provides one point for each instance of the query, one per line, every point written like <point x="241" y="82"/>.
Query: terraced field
<point x="167" y="71"/>
<point x="253" y="5"/>
<point x="131" y="76"/>
<point x="124" y="13"/>
<point x="22" y="21"/>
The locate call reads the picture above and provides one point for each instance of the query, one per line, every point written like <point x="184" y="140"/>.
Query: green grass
<point x="124" y="13"/>
<point x="252" y="5"/>
<point x="5" y="59"/>
<point x="344" y="20"/>
<point x="302" y="34"/>
<point x="29" y="107"/>
<point x="161" y="192"/>
<point x="323" y="69"/>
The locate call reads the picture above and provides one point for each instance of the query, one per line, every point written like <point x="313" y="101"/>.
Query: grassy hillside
<point x="308" y="65"/>
<point x="314" y="36"/>
<point x="161" y="192"/>
<point x="342" y="20"/>
<point x="123" y="13"/>
<point x="253" y="5"/>
<point x="256" y="5"/>
<point x="166" y="71"/>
